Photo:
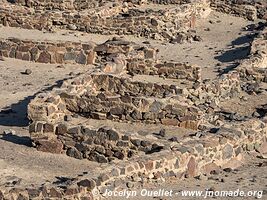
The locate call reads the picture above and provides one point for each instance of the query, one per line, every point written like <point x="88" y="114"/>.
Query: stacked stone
<point x="114" y="50"/>
<point x="61" y="4"/>
<point x="166" y="69"/>
<point x="167" y="2"/>
<point x="167" y="24"/>
<point x="190" y="157"/>
<point x="46" y="192"/>
<point x="48" y="52"/>
<point x="82" y="142"/>
<point x="243" y="8"/>
<point x="103" y="96"/>
<point x="255" y="67"/>
<point x="111" y="50"/>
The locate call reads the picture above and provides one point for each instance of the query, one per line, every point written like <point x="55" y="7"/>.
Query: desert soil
<point x="225" y="42"/>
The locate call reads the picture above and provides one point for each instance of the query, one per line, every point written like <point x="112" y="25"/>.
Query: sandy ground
<point x="250" y="177"/>
<point x="224" y="42"/>
<point x="222" y="46"/>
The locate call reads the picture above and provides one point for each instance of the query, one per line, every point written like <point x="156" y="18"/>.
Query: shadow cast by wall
<point x="240" y="51"/>
<point x="16" y="114"/>
<point x="233" y="55"/>
<point x="20" y="140"/>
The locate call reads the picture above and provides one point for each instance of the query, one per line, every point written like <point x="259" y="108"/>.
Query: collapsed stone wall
<point x="255" y="67"/>
<point x="166" y="24"/>
<point x="243" y="8"/>
<point x="48" y="52"/>
<point x="46" y="192"/>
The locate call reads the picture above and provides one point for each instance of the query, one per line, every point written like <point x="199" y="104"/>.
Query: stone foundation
<point x="243" y="8"/>
<point x="169" y="24"/>
<point x="255" y="67"/>
<point x="48" y="52"/>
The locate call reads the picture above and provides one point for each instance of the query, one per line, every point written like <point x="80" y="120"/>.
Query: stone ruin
<point x="128" y="86"/>
<point x="141" y="95"/>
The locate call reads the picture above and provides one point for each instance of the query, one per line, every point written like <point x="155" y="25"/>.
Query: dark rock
<point x="51" y="146"/>
<point x="113" y="135"/>
<point x="27" y="72"/>
<point x="73" y="152"/>
<point x="119" y="155"/>
<point x="81" y="58"/>
<point x="89" y="183"/>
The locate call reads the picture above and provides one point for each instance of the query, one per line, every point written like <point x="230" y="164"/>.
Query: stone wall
<point x="189" y="157"/>
<point x="243" y="8"/>
<point x="74" y="52"/>
<point x="48" y="52"/>
<point x="169" y="24"/>
<point x="61" y="4"/>
<point x="255" y="67"/>
<point x="102" y="96"/>
<point x="167" y="69"/>
<point x="46" y="192"/>
<point x="117" y="55"/>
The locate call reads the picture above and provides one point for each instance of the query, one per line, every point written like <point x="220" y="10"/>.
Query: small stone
<point x="101" y="159"/>
<point x="227" y="151"/>
<point x="103" y="177"/>
<point x="72" y="27"/>
<point x="202" y="177"/>
<point x="119" y="155"/>
<point x="73" y="152"/>
<point x="197" y="38"/>
<point x="68" y="118"/>
<point x="228" y="170"/>
<point x="9" y="132"/>
<point x="113" y="135"/>
<point x="51" y="146"/>
<point x="154" y="22"/>
<point x="173" y="139"/>
<point x="27" y="72"/>
<point x="87" y="183"/>
<point x="130" y="184"/>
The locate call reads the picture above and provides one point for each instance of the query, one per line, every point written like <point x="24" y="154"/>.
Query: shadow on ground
<point x="235" y="54"/>
<point x="16" y="114"/>
<point x="240" y="51"/>
<point x="20" y="140"/>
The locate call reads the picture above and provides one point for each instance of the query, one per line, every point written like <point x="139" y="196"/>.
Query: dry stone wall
<point x="255" y="67"/>
<point x="48" y="52"/>
<point x="169" y="24"/>
<point x="102" y="96"/>
<point x="199" y="154"/>
<point x="116" y="55"/>
<point x="189" y="157"/>
<point x="243" y="8"/>
<point x="166" y="69"/>
<point x="61" y="4"/>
